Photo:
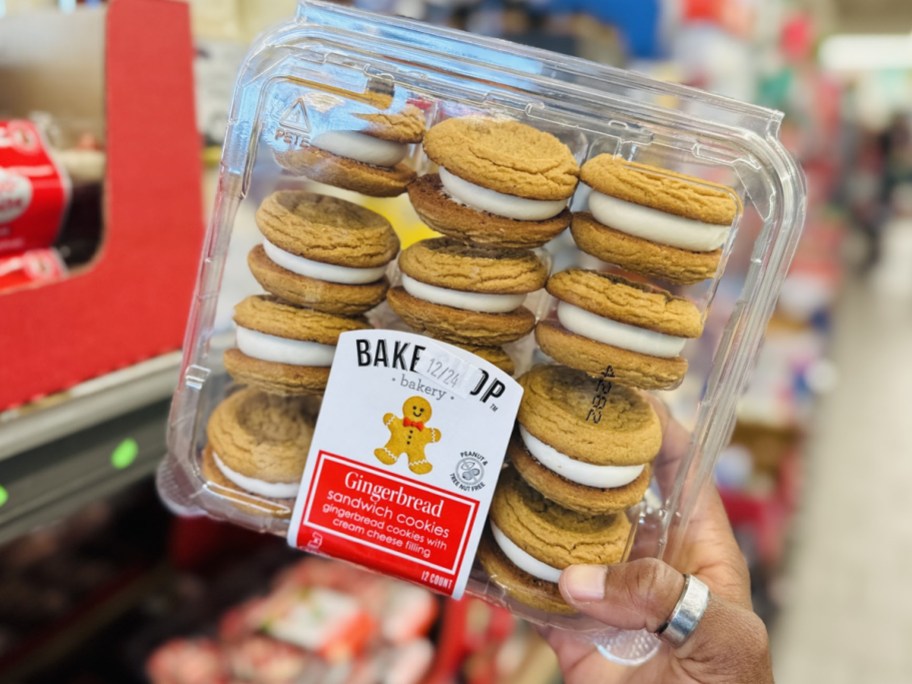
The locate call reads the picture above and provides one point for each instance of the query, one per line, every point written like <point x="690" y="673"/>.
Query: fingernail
<point x="585" y="583"/>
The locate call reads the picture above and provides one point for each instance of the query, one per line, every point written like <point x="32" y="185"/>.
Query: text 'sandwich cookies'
<point x="257" y="444"/>
<point x="585" y="444"/>
<point x="367" y="159"/>
<point x="500" y="182"/>
<point x="531" y="540"/>
<point x="284" y="349"/>
<point x="604" y="320"/>
<point x="654" y="222"/>
<point x="323" y="252"/>
<point x="463" y="293"/>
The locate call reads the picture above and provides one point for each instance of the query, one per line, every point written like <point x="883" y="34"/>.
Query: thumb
<point x="730" y="640"/>
<point x="636" y="595"/>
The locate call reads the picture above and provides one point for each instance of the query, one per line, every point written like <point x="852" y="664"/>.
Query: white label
<point x="405" y="455"/>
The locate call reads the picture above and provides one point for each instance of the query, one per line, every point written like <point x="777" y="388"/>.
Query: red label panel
<point x="33" y="192"/>
<point x="393" y="524"/>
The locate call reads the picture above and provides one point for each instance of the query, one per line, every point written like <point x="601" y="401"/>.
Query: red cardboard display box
<point x="131" y="303"/>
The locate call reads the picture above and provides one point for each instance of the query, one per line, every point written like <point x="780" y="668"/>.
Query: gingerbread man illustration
<point x="409" y="435"/>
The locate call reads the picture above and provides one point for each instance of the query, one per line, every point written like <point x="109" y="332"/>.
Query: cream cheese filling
<point x="333" y="273"/>
<point x="588" y="474"/>
<point x="471" y="301"/>
<point x="622" y="335"/>
<point x="657" y="226"/>
<point x="485" y="199"/>
<point x="273" y="490"/>
<point x="361" y="147"/>
<point x="523" y="560"/>
<point x="267" y="347"/>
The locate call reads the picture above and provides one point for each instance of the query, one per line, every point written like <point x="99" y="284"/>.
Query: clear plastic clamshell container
<point x="663" y="265"/>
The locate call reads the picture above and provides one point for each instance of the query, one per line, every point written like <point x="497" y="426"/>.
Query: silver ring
<point x="687" y="612"/>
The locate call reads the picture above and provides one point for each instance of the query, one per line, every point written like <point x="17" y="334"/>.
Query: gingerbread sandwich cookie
<point x="654" y="222"/>
<point x="499" y="182"/>
<point x="284" y="349"/>
<point x="582" y="442"/>
<point x="530" y="540"/>
<point x="637" y="330"/>
<point x="467" y="294"/>
<point x="368" y="158"/>
<point x="257" y="445"/>
<point x="322" y="252"/>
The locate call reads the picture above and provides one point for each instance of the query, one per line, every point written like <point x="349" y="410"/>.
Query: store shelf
<point x="88" y="404"/>
<point x="88" y="443"/>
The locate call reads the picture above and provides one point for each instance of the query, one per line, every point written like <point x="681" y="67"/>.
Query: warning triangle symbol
<point x="295" y="117"/>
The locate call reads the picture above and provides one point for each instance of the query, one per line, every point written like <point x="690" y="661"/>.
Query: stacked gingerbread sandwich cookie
<point x="579" y="457"/>
<point x="323" y="253"/>
<point x="364" y="151"/>
<point x="653" y="221"/>
<point x="530" y="540"/>
<point x="501" y="190"/>
<point x="285" y="349"/>
<point x="648" y="223"/>
<point x="468" y="295"/>
<point x="499" y="182"/>
<point x="256" y="448"/>
<point x="608" y="321"/>
<point x="323" y="264"/>
<point x="586" y="434"/>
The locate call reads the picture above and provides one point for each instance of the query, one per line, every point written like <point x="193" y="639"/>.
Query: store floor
<point x="847" y="593"/>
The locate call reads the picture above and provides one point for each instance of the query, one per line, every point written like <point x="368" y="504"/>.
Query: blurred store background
<point x="99" y="584"/>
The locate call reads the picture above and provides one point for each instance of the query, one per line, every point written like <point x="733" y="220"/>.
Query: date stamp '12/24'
<point x="600" y="398"/>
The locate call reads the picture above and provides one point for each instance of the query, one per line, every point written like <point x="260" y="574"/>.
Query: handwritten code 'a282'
<point x="600" y="397"/>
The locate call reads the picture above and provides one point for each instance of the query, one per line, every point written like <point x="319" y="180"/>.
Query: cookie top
<point x="261" y="435"/>
<point x="505" y="156"/>
<point x="623" y="300"/>
<point x="327" y="229"/>
<point x="660" y="189"/>
<point x="552" y="534"/>
<point x="403" y="126"/>
<point x="560" y="407"/>
<point x="450" y="263"/>
<point x="270" y="315"/>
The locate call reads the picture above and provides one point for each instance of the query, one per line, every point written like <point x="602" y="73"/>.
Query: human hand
<point x="730" y="643"/>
